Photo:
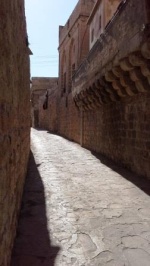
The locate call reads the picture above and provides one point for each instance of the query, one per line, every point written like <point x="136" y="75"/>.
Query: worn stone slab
<point x="79" y="211"/>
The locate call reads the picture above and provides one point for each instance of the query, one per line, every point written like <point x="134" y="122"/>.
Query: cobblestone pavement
<point x="79" y="211"/>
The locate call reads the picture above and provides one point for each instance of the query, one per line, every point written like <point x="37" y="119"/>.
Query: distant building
<point x="40" y="91"/>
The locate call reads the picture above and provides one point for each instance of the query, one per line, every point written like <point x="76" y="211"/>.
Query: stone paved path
<point x="78" y="211"/>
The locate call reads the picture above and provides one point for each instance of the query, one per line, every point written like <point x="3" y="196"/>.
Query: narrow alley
<point x="79" y="209"/>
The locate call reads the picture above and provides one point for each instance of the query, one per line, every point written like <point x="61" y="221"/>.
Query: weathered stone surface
<point x="111" y="91"/>
<point x="42" y="90"/>
<point x="79" y="209"/>
<point x="14" y="119"/>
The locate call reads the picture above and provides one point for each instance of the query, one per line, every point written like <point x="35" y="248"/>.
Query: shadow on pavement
<point x="141" y="182"/>
<point x="32" y="245"/>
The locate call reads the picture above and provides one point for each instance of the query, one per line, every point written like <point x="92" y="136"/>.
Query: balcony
<point x="118" y="65"/>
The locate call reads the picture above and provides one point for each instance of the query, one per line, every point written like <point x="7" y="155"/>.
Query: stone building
<point x="73" y="44"/>
<point x="112" y="89"/>
<point x="101" y="14"/>
<point x="73" y="48"/>
<point x="42" y="90"/>
<point x="14" y="119"/>
<point x="104" y="92"/>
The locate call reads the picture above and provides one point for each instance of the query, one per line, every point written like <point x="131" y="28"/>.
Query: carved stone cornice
<point x="118" y="65"/>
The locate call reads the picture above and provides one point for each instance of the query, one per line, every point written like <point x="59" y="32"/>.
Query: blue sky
<point x="43" y="19"/>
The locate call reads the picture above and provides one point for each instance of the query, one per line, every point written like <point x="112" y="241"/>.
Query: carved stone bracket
<point x="130" y="77"/>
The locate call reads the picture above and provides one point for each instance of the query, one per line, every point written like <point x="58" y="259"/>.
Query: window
<point x="92" y="35"/>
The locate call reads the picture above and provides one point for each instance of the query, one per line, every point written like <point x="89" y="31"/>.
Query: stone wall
<point x="112" y="86"/>
<point x="83" y="8"/>
<point x="102" y="13"/>
<point x="121" y="131"/>
<point x="48" y="118"/>
<point x="43" y="91"/>
<point x="14" y="119"/>
<point x="108" y="110"/>
<point x="73" y="48"/>
<point x="73" y="44"/>
<point x="114" y="47"/>
<point x="69" y="119"/>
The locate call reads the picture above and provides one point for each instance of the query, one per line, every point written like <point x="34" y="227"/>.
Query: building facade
<point x="112" y="89"/>
<point x="100" y="16"/>
<point x="42" y="90"/>
<point x="73" y="44"/>
<point x="104" y="92"/>
<point x="14" y="119"/>
<point x="73" y="48"/>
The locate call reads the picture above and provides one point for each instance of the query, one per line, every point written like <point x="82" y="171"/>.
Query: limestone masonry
<point x="14" y="119"/>
<point x="102" y="100"/>
<point x="42" y="110"/>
